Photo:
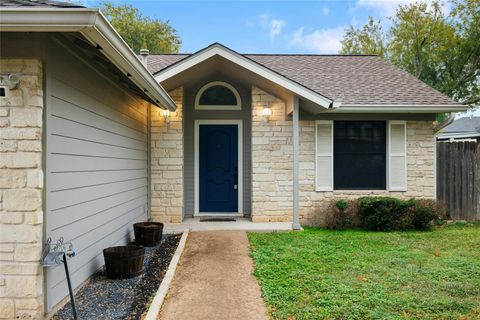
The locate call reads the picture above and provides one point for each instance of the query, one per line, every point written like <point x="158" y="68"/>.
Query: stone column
<point x="167" y="162"/>
<point x="21" y="189"/>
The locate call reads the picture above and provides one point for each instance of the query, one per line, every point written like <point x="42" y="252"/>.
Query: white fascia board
<point x="247" y="64"/>
<point x="96" y="28"/>
<point x="127" y="61"/>
<point x="46" y="19"/>
<point x="398" y="108"/>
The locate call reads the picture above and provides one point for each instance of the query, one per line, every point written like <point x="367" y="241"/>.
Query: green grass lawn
<point x="322" y="274"/>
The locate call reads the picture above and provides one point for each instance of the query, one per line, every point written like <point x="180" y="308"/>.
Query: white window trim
<point x="239" y="124"/>
<point x="199" y="106"/>
<point x="390" y="154"/>
<point x="317" y="154"/>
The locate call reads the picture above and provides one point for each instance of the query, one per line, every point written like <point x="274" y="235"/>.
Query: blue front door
<point x="218" y="164"/>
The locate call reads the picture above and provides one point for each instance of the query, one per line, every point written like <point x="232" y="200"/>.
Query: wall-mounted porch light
<point x="266" y="113"/>
<point x="166" y="115"/>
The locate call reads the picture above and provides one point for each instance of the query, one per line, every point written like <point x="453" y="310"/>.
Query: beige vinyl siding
<point x="96" y="165"/>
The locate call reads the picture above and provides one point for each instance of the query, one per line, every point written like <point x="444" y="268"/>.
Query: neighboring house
<point x="460" y="129"/>
<point x="88" y="146"/>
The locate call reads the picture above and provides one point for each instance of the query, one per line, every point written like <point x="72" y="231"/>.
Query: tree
<point x="370" y="39"/>
<point x="443" y="51"/>
<point x="462" y="75"/>
<point x="141" y="32"/>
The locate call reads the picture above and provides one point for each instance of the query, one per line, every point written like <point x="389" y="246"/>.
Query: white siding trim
<point x="239" y="123"/>
<point x="319" y="187"/>
<point x="392" y="154"/>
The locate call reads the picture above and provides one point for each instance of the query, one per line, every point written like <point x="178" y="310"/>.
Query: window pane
<point x="218" y="96"/>
<point x="359" y="154"/>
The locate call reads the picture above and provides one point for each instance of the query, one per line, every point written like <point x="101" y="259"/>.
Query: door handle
<point x="235" y="178"/>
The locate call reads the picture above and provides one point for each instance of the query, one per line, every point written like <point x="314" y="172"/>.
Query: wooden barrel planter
<point x="124" y="261"/>
<point x="148" y="233"/>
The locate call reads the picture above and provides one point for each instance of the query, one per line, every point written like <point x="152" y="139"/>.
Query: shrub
<point x="386" y="213"/>
<point x="377" y="213"/>
<point x="342" y="214"/>
<point x="424" y="212"/>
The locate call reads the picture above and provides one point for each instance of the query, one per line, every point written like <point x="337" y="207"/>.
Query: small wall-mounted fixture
<point x="266" y="113"/>
<point x="166" y="115"/>
<point x="8" y="82"/>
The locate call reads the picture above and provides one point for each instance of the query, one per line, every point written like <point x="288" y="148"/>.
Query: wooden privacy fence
<point x="458" y="178"/>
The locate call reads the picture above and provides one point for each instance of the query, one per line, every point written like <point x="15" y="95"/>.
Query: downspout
<point x="143" y="57"/>
<point x="442" y="125"/>
<point x="149" y="162"/>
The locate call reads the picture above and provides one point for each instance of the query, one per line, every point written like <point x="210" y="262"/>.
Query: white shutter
<point x="324" y="155"/>
<point x="397" y="152"/>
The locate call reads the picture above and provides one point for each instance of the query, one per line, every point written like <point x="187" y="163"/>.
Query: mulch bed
<point x="102" y="298"/>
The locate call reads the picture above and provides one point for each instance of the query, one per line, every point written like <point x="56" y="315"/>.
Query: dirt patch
<point x="214" y="280"/>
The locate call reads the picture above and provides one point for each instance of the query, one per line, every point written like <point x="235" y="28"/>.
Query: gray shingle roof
<point x="353" y="79"/>
<point x="463" y="127"/>
<point x="38" y="4"/>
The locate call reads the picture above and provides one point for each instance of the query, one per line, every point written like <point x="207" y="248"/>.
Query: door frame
<point x="239" y="124"/>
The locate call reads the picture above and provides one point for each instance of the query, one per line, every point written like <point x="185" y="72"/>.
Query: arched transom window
<point x="218" y="95"/>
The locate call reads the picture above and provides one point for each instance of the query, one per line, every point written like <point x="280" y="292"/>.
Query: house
<point x="91" y="142"/>
<point x="460" y="129"/>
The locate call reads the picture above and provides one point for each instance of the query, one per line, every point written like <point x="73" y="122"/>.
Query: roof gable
<point x="245" y="62"/>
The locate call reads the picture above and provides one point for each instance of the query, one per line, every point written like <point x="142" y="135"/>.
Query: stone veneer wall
<point x="420" y="172"/>
<point x="167" y="163"/>
<point x="272" y="160"/>
<point x="21" y="186"/>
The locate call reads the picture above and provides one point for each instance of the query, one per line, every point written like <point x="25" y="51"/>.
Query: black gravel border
<point x="102" y="298"/>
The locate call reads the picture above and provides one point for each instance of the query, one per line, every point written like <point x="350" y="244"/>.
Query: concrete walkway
<point x="214" y="280"/>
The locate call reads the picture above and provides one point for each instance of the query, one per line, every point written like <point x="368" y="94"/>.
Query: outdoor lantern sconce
<point x="166" y="115"/>
<point x="266" y="113"/>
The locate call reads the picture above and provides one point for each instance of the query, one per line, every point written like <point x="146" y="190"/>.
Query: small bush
<point x="378" y="213"/>
<point x="424" y="212"/>
<point x="342" y="214"/>
<point x="386" y="213"/>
